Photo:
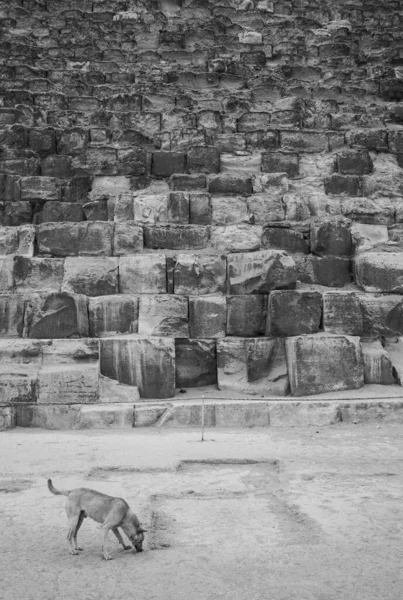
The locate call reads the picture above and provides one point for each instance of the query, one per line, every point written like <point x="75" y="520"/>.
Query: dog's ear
<point x="141" y="530"/>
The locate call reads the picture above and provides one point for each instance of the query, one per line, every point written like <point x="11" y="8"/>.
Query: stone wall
<point x="199" y="192"/>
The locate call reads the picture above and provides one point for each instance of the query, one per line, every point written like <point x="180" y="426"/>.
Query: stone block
<point x="230" y="184"/>
<point x="200" y="210"/>
<point x="145" y="208"/>
<point x="68" y="384"/>
<point x="246" y="315"/>
<point x="285" y="239"/>
<point x="176" y="237"/>
<point x="56" y="315"/>
<point x="280" y="162"/>
<point x="106" y="416"/>
<point x="165" y="164"/>
<point x="378" y="367"/>
<point x="379" y="271"/>
<point x="69" y="352"/>
<point x="8" y="418"/>
<point x="265" y="208"/>
<point x="270" y="183"/>
<point x="324" y="363"/>
<point x="195" y="363"/>
<point x="380" y="314"/>
<point x="229" y="209"/>
<point x="380" y="211"/>
<point x="91" y="276"/>
<point x="187" y="183"/>
<point x="9" y="241"/>
<point x="111" y="391"/>
<point x="113" y="315"/>
<point x="354" y="162"/>
<point x="101" y="160"/>
<point x="15" y="213"/>
<point x="57" y="166"/>
<point x="331" y="236"/>
<point x="303" y="414"/>
<point x="394" y="319"/>
<point x="371" y="139"/>
<point x="260" y="272"/>
<point x="72" y="239"/>
<point x="252" y="366"/>
<point x="165" y="316"/>
<point x="11" y="315"/>
<point x="143" y="274"/>
<point x="38" y="274"/>
<point x="127" y="239"/>
<point x="48" y="416"/>
<point x="203" y="159"/>
<point x="236" y="238"/>
<point x="254" y="121"/>
<point x="331" y="271"/>
<point x="394" y="348"/>
<point x="207" y="316"/>
<point x="304" y="141"/>
<point x="72" y="141"/>
<point x="54" y="212"/>
<point x="6" y="273"/>
<point x="347" y="185"/>
<point x="148" y="364"/>
<point x="178" y="208"/>
<point x="242" y="414"/>
<point x="240" y="163"/>
<point x="97" y="210"/>
<point x="196" y="274"/>
<point x="188" y="415"/>
<point x="364" y="237"/>
<point x="133" y="161"/>
<point x="342" y="313"/>
<point x="18" y="385"/>
<point x="293" y="312"/>
<point x="40" y="188"/>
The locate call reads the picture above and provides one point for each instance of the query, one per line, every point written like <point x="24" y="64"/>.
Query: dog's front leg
<point x="120" y="539"/>
<point x="104" y="534"/>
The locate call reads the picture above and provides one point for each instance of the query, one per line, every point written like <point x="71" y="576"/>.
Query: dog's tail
<point x="55" y="491"/>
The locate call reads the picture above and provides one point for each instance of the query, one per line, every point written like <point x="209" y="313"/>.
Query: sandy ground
<point x="304" y="514"/>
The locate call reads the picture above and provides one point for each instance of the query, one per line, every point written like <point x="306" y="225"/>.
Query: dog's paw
<point x="127" y="547"/>
<point x="74" y="552"/>
<point x="107" y="557"/>
<point x="79" y="548"/>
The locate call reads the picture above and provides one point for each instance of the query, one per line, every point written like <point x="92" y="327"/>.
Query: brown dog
<point x="111" y="512"/>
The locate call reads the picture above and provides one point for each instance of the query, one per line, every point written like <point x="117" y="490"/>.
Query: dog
<point x="110" y="511"/>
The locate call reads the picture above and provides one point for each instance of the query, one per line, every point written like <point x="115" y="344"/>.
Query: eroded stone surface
<point x="196" y="362"/>
<point x="260" y="272"/>
<point x="163" y="315"/>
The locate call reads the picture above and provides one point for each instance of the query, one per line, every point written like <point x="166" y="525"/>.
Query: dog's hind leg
<point x="80" y="522"/>
<point x="73" y="522"/>
<point x="120" y="539"/>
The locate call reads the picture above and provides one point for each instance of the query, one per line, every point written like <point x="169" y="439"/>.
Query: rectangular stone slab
<point x="148" y="363"/>
<point x="164" y="315"/>
<point x="324" y="363"/>
<point x="260" y="272"/>
<point x="196" y="363"/>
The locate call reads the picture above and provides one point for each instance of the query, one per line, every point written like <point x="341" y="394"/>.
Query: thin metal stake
<point x="202" y="423"/>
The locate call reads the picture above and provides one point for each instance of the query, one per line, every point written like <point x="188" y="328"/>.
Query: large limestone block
<point x="331" y="271"/>
<point x="113" y="315"/>
<point x="196" y="363"/>
<point x="200" y="211"/>
<point x="324" y="363"/>
<point x="237" y="238"/>
<point x="11" y="315"/>
<point x="196" y="274"/>
<point x="6" y="273"/>
<point x="40" y="188"/>
<point x="149" y="209"/>
<point x="117" y="415"/>
<point x="56" y="315"/>
<point x="240" y="162"/>
<point x="127" y="239"/>
<point x="265" y="208"/>
<point x="260" y="272"/>
<point x="252" y="365"/>
<point x="177" y="237"/>
<point x="68" y="384"/>
<point x="8" y="418"/>
<point x="148" y="364"/>
<point x="49" y="416"/>
<point x="143" y="274"/>
<point x="246" y="315"/>
<point x="207" y="316"/>
<point x="229" y="209"/>
<point x="111" y="391"/>
<point x="380" y="271"/>
<point x="293" y="312"/>
<point x="379" y="313"/>
<point x="380" y="211"/>
<point x="230" y="183"/>
<point x="285" y="239"/>
<point x="378" y="367"/>
<point x="91" y="238"/>
<point x="394" y="348"/>
<point x="364" y="237"/>
<point x="8" y="240"/>
<point x="18" y="384"/>
<point x="331" y="236"/>
<point x="69" y="351"/>
<point x="342" y="313"/>
<point x="91" y="276"/>
<point x="165" y="315"/>
<point x="38" y="274"/>
<point x="20" y="352"/>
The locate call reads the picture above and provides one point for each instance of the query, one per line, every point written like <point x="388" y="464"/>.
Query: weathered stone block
<point x="371" y="139"/>
<point x="265" y="208"/>
<point x="371" y="212"/>
<point x="54" y="212"/>
<point x="331" y="236"/>
<point x="379" y="271"/>
<point x="252" y="365"/>
<point x="72" y="239"/>
<point x="6" y="273"/>
<point x="56" y="315"/>
<point x="101" y="160"/>
<point x="176" y="237"/>
<point x="354" y="162"/>
<point x="246" y="315"/>
<point x="293" y="312"/>
<point x="304" y="141"/>
<point x="270" y="183"/>
<point x="113" y="315"/>
<point x="11" y="315"/>
<point x="342" y="313"/>
<point x="207" y="316"/>
<point x="91" y="276"/>
<point x="229" y="209"/>
<point x="18" y="385"/>
<point x="9" y="240"/>
<point x="148" y="364"/>
<point x="145" y="208"/>
<point x="200" y="210"/>
<point x="111" y="391"/>
<point x="348" y="185"/>
<point x="127" y="239"/>
<point x="260" y="272"/>
<point x="199" y="274"/>
<point x="165" y="164"/>
<point x="117" y="415"/>
<point x="72" y="141"/>
<point x="256" y="121"/>
<point x="203" y="159"/>
<point x="240" y="163"/>
<point x="15" y="213"/>
<point x="178" y="207"/>
<point x="184" y="182"/>
<point x="67" y="384"/>
<point x="143" y="274"/>
<point x="279" y="162"/>
<point x="40" y="188"/>
<point x="132" y="161"/>
<point x="164" y="316"/>
<point x="332" y="271"/>
<point x="285" y="239"/>
<point x="324" y="363"/>
<point x="56" y="166"/>
<point x="196" y="363"/>
<point x="236" y="238"/>
<point x="378" y="316"/>
<point x="378" y="367"/>
<point x="230" y="184"/>
<point x="364" y="237"/>
<point x="8" y="418"/>
<point x="38" y="274"/>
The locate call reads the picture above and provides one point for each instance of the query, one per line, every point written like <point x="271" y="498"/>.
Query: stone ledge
<point x="218" y="413"/>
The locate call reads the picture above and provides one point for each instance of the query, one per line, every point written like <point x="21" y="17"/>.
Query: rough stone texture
<point x="195" y="363"/>
<point x="11" y="315"/>
<point x="196" y="274"/>
<point x="56" y="315"/>
<point x="293" y="312"/>
<point x="113" y="315"/>
<point x="148" y="364"/>
<point x="246" y="315"/>
<point x="378" y="367"/>
<point x="324" y="363"/>
<point x="68" y="384"/>
<point x="8" y="417"/>
<point x="380" y="271"/>
<point x="376" y="310"/>
<point x="38" y="274"/>
<point x="111" y="391"/>
<point x="260" y="272"/>
<point x="165" y="315"/>
<point x="330" y="236"/>
<point x="143" y="274"/>
<point x="236" y="238"/>
<point x="207" y="316"/>
<point x="91" y="276"/>
<point x="342" y="313"/>
<point x="74" y="239"/>
<point x="394" y="348"/>
<point x="127" y="239"/>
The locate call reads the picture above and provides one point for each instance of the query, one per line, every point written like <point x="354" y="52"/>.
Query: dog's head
<point x="137" y="539"/>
